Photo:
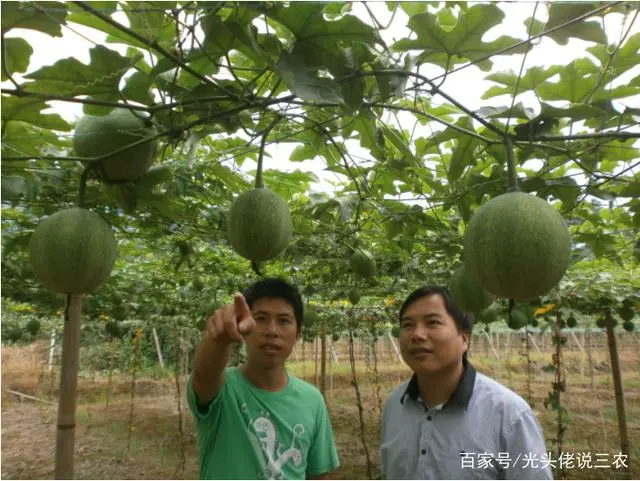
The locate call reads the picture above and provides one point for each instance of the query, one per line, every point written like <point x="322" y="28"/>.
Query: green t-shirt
<point x="250" y="433"/>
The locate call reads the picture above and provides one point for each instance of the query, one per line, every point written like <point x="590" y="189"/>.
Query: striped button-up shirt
<point x="484" y="431"/>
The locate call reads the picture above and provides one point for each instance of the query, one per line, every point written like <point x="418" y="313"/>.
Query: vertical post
<point x="323" y="358"/>
<point x="158" y="351"/>
<point x="65" y="437"/>
<point x="52" y="349"/>
<point x="617" y="381"/>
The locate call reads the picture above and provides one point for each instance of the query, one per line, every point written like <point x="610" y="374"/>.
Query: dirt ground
<point x="161" y="443"/>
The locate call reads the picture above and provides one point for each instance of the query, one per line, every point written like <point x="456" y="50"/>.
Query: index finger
<point x="242" y="310"/>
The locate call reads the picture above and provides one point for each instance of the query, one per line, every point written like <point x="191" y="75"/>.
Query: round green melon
<point x="517" y="246"/>
<point x="311" y="317"/>
<point x="362" y="263"/>
<point x="72" y="251"/>
<point x="33" y="327"/>
<point x="95" y="136"/>
<point x="395" y="331"/>
<point x="572" y="322"/>
<point x="354" y="296"/>
<point x="490" y="314"/>
<point x="467" y="293"/>
<point x="517" y="319"/>
<point x="259" y="225"/>
<point x="114" y="329"/>
<point x="629" y="326"/>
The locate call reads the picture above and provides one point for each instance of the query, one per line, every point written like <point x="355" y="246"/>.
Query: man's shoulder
<point x="397" y="392"/>
<point x="305" y="388"/>
<point x="489" y="390"/>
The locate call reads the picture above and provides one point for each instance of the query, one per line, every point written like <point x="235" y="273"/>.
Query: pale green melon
<point x="72" y="251"/>
<point x="468" y="293"/>
<point x="95" y="136"/>
<point x="363" y="263"/>
<point x="259" y="225"/>
<point x="517" y="246"/>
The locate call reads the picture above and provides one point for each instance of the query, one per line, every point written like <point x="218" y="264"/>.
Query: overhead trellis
<point x="212" y="73"/>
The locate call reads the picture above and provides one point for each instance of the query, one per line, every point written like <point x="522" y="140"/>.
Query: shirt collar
<point x="462" y="394"/>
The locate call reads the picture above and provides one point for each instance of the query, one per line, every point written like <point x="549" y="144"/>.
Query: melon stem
<point x="511" y="165"/>
<point x="259" y="184"/>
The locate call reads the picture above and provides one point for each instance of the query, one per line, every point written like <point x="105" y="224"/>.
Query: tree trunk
<point x="65" y="439"/>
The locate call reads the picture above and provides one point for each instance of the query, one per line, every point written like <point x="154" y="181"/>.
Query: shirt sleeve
<point x="323" y="454"/>
<point x="211" y="413"/>
<point x="525" y="445"/>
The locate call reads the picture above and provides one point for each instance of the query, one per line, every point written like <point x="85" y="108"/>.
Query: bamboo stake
<point x="65" y="437"/>
<point x="617" y="381"/>
<point x="158" y="350"/>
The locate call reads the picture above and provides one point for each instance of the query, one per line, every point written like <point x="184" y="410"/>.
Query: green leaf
<point x="336" y="9"/>
<point x="70" y="77"/>
<point x="450" y="133"/>
<point x="302" y="152"/>
<point x="565" y="188"/>
<point x="365" y="124"/>
<point x="400" y="143"/>
<point x="114" y="34"/>
<point x="463" y="42"/>
<point x="519" y="111"/>
<point x="624" y="59"/>
<point x="29" y="110"/>
<point x="320" y="43"/>
<point x="149" y="20"/>
<point x="305" y="85"/>
<point x="17" y="53"/>
<point x="577" y="80"/>
<point x="45" y="17"/>
<point x="529" y="81"/>
<point x="21" y="138"/>
<point x="461" y="157"/>
<point x="600" y="244"/>
<point x="138" y="88"/>
<point x="561" y="12"/>
<point x="631" y="190"/>
<point x="157" y="174"/>
<point x="573" y="111"/>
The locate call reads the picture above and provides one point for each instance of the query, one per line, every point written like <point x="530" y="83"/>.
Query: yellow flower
<point x="543" y="310"/>
<point x="389" y="302"/>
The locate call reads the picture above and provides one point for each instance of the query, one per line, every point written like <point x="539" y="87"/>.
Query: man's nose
<point x="420" y="333"/>
<point x="272" y="329"/>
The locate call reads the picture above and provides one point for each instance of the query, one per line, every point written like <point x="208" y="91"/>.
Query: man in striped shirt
<point x="449" y="421"/>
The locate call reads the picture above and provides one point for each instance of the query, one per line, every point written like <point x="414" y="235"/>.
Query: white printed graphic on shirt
<point x="273" y="456"/>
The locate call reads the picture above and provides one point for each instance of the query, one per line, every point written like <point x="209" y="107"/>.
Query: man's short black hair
<point x="463" y="320"/>
<point x="276" y="288"/>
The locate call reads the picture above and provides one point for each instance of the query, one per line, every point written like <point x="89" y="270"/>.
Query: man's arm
<point x="224" y="328"/>
<point x="525" y="442"/>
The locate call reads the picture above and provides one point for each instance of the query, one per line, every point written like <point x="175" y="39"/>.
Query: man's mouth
<point x="269" y="347"/>
<point x="420" y="351"/>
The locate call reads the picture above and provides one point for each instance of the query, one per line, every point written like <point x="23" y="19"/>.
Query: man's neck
<point x="437" y="388"/>
<point x="267" y="378"/>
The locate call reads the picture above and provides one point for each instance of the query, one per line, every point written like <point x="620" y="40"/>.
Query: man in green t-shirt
<point x="256" y="421"/>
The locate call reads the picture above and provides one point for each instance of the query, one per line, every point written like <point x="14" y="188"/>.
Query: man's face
<point x="429" y="339"/>
<point x="275" y="333"/>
